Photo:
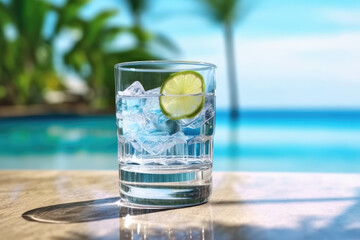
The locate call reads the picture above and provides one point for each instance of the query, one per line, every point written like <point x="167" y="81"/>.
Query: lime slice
<point x="183" y="95"/>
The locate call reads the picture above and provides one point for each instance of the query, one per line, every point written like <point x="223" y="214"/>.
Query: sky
<point x="289" y="54"/>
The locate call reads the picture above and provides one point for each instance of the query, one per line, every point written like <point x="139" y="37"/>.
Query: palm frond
<point x="96" y="25"/>
<point x="68" y="14"/>
<point x="222" y="11"/>
<point x="137" y="7"/>
<point x="166" y="43"/>
<point x="4" y="15"/>
<point x="107" y="35"/>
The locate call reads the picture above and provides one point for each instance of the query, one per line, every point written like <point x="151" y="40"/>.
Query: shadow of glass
<point x="195" y="224"/>
<point x="85" y="211"/>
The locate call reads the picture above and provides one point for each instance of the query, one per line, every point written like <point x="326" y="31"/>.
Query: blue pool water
<point x="260" y="141"/>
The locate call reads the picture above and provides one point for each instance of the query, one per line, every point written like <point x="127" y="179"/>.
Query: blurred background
<point x="288" y="78"/>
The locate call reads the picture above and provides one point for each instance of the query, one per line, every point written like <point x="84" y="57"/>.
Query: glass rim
<point x="196" y="66"/>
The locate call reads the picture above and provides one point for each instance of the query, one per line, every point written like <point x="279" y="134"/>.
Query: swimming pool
<point x="260" y="141"/>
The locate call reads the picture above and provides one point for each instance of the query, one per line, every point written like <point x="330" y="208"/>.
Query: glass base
<point x="165" y="186"/>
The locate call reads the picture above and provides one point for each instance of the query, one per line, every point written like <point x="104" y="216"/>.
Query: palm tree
<point x="226" y="13"/>
<point x="144" y="38"/>
<point x="26" y="64"/>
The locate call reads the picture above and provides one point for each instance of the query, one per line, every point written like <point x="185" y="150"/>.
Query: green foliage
<point x="27" y="69"/>
<point x="137" y="7"/>
<point x="222" y="11"/>
<point x="227" y="12"/>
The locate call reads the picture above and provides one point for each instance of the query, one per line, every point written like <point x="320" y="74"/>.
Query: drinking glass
<point x="165" y="156"/>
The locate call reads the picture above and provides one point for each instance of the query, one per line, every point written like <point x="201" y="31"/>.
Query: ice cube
<point x="185" y="122"/>
<point x="151" y="105"/>
<point x="126" y="101"/>
<point x="153" y="113"/>
<point x="129" y="105"/>
<point x="160" y="122"/>
<point x="134" y="89"/>
<point x="156" y="117"/>
<point x="131" y="139"/>
<point x="151" y="140"/>
<point x="154" y="91"/>
<point x="152" y="100"/>
<point x="205" y="115"/>
<point x="152" y="110"/>
<point x="134" y="123"/>
<point x="156" y="141"/>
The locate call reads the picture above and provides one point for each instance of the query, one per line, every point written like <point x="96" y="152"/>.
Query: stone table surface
<point x="244" y="205"/>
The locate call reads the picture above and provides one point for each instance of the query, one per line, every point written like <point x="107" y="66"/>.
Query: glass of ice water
<point x="165" y="114"/>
